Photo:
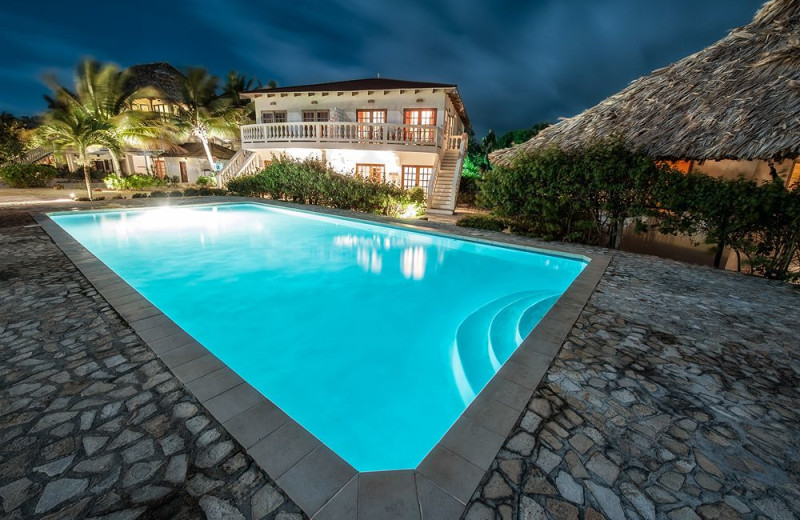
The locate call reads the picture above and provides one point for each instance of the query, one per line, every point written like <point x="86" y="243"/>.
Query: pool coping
<point x="320" y="482"/>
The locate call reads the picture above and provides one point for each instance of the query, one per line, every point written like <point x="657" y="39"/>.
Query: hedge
<point x="28" y="175"/>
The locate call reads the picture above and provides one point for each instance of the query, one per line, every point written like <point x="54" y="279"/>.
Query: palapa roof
<point x="737" y="99"/>
<point x="195" y="149"/>
<point x="367" y="84"/>
<point x="162" y="76"/>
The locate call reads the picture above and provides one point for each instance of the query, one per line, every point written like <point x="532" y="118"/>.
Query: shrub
<point x="132" y="182"/>
<point x="87" y="199"/>
<point x="27" y="175"/>
<point x="487" y="222"/>
<point x="584" y="197"/>
<point x="118" y="196"/>
<point x="139" y="196"/>
<point x="176" y="193"/>
<point x="205" y="181"/>
<point x="312" y="182"/>
<point x="468" y="189"/>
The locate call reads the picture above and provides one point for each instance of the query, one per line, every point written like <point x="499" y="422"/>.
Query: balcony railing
<point x="354" y="134"/>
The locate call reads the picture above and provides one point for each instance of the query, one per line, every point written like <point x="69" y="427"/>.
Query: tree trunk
<point x="718" y="255"/>
<point x="204" y="140"/>
<point x="115" y="163"/>
<point x="619" y="226"/>
<point x="87" y="177"/>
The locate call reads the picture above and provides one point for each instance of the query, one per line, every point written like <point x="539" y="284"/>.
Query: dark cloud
<point x="516" y="63"/>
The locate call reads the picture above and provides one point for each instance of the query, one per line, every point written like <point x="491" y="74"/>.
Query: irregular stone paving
<point x="92" y="424"/>
<point x="676" y="396"/>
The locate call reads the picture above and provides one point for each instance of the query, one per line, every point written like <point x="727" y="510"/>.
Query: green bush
<point x="28" y="175"/>
<point x="205" y="181"/>
<point x="468" y="189"/>
<point x="584" y="197"/>
<point x="132" y="182"/>
<point x="140" y="196"/>
<point x="312" y="182"/>
<point x="487" y="222"/>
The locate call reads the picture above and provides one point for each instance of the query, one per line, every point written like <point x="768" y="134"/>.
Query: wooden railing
<point x="344" y="133"/>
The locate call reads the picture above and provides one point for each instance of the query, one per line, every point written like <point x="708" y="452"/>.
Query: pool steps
<point x="487" y="337"/>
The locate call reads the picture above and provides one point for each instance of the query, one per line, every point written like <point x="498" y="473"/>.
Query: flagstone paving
<point x="91" y="422"/>
<point x="675" y="397"/>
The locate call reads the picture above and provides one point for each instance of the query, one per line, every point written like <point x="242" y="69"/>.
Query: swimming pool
<point x="372" y="337"/>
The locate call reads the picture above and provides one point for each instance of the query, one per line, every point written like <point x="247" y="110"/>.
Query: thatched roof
<point x="162" y="76"/>
<point x="195" y="149"/>
<point x="737" y="99"/>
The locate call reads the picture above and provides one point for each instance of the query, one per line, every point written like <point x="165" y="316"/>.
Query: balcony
<point x="373" y="136"/>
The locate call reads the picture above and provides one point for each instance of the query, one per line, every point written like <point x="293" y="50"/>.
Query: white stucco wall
<point x="195" y="167"/>
<point x="344" y="161"/>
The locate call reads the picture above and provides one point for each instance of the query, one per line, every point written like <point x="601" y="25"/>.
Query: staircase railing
<point x="36" y="154"/>
<point x="462" y="153"/>
<point x="243" y="162"/>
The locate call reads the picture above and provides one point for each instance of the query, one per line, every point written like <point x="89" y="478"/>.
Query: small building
<point x="164" y="85"/>
<point x="188" y="161"/>
<point x="410" y="133"/>
<point x="731" y="109"/>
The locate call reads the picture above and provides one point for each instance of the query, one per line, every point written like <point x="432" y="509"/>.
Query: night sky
<point x="516" y="63"/>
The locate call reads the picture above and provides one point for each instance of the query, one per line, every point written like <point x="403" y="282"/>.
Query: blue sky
<point x="516" y="63"/>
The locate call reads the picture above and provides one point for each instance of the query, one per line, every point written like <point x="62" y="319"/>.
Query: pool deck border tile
<point x="323" y="484"/>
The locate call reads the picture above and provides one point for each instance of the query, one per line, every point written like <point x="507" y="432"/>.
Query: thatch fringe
<point x="737" y="99"/>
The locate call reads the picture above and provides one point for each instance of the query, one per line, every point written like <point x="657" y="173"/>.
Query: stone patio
<point x="675" y="397"/>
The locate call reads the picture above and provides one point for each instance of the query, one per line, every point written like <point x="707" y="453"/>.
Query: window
<point x="373" y="172"/>
<point x="371" y="116"/>
<point x="369" y="132"/>
<point x="273" y="116"/>
<point x="417" y="176"/>
<point x="681" y="166"/>
<point x="310" y="116"/>
<point x="420" y="117"/>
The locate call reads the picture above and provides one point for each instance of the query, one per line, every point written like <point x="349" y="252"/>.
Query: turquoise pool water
<point x="373" y="338"/>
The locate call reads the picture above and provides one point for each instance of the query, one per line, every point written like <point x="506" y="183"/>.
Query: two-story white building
<point x="410" y="133"/>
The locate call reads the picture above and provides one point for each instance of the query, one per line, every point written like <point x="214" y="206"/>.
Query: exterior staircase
<point x="35" y="155"/>
<point x="243" y="162"/>
<point x="442" y="198"/>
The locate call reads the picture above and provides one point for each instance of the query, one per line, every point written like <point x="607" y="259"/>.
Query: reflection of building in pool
<point x="372" y="252"/>
<point x="410" y="133"/>
<point x="413" y="262"/>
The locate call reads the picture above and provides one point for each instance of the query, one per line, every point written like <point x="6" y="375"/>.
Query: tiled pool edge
<point x="318" y="480"/>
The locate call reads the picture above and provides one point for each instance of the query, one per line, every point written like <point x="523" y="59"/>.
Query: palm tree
<point x="102" y="91"/>
<point x="68" y="126"/>
<point x="204" y="114"/>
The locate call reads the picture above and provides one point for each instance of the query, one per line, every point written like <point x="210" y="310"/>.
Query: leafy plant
<point x="487" y="222"/>
<point x="140" y="196"/>
<point x="584" y="197"/>
<point x="132" y="182"/>
<point x="205" y="181"/>
<point x="27" y="175"/>
<point x="311" y="181"/>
